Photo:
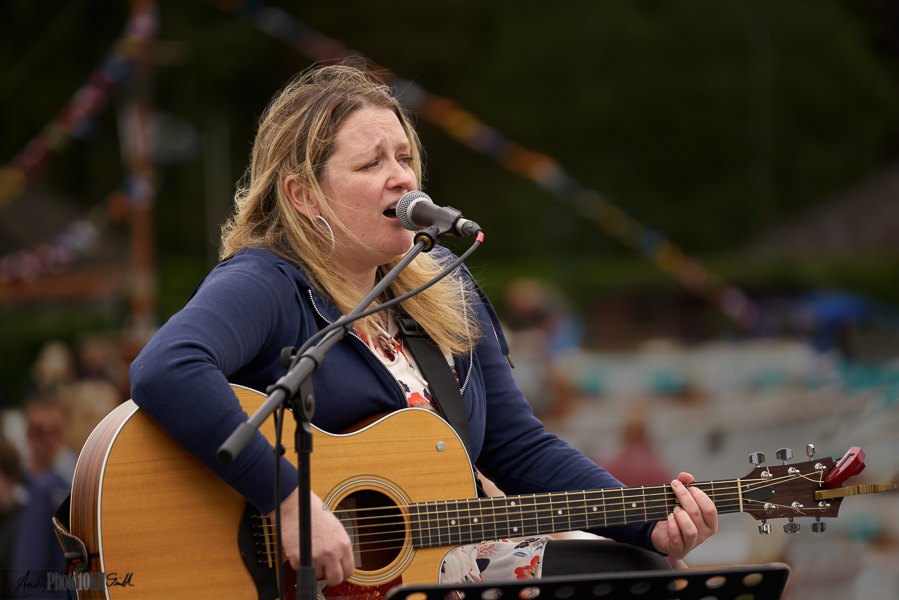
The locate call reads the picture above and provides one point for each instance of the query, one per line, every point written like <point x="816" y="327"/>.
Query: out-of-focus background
<point x="691" y="213"/>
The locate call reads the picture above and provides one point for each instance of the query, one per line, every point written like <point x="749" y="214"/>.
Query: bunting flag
<point x="64" y="248"/>
<point x="77" y="118"/>
<point x="536" y="166"/>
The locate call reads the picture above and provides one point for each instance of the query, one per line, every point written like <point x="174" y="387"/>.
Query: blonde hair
<point x="295" y="138"/>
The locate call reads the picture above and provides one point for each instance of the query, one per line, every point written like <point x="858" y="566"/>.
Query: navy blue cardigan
<point x="256" y="303"/>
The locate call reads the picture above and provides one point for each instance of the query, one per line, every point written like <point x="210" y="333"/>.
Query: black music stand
<point x="753" y="582"/>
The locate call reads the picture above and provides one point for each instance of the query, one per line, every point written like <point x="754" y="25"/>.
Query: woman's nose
<point x="401" y="175"/>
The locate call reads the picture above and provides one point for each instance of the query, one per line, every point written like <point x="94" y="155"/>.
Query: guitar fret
<point x="544" y="513"/>
<point x="500" y="518"/>
<point x="432" y="531"/>
<point x="415" y="525"/>
<point x="632" y="505"/>
<point x="489" y="520"/>
<point x="577" y="506"/>
<point x="506" y="522"/>
<point x="477" y="522"/>
<point x="454" y="527"/>
<point x="614" y="501"/>
<point x="529" y="525"/>
<point x="596" y="509"/>
<point x="465" y="522"/>
<point x="661" y="502"/>
<point x="442" y="525"/>
<point x="559" y="511"/>
<point x="643" y="502"/>
<point x="513" y="516"/>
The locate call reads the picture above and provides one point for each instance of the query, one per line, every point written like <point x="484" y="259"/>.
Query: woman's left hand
<point x="692" y="522"/>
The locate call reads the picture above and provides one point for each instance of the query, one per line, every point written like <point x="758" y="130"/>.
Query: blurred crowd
<point x="70" y="390"/>
<point x="73" y="386"/>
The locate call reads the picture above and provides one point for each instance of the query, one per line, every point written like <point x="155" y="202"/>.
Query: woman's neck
<point x="363" y="280"/>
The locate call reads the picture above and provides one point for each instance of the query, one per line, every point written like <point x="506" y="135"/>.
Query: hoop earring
<point x="333" y="241"/>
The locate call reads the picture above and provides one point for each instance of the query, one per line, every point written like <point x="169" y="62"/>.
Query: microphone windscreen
<point x="404" y="206"/>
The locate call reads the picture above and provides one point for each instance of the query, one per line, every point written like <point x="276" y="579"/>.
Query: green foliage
<point x="709" y="121"/>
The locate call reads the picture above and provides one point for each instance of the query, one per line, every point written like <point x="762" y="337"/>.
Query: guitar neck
<point x="457" y="522"/>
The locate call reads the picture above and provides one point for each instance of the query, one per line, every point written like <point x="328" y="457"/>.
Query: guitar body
<point x="160" y="523"/>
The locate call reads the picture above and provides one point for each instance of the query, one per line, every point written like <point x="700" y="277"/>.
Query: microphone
<point x="416" y="211"/>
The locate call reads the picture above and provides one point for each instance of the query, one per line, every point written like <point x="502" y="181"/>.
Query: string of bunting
<point x="77" y="119"/>
<point x="536" y="166"/>
<point x="64" y="248"/>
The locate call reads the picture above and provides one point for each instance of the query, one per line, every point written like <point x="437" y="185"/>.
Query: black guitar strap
<point x="441" y="381"/>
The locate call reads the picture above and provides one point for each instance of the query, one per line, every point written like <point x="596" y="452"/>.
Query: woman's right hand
<point x="332" y="552"/>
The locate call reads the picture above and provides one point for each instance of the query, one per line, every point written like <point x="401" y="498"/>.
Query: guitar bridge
<point x="257" y="544"/>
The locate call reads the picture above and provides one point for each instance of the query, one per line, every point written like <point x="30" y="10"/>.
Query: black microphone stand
<point x="294" y="390"/>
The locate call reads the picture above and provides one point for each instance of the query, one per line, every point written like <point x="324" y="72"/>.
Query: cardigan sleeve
<point x="517" y="453"/>
<point x="238" y="317"/>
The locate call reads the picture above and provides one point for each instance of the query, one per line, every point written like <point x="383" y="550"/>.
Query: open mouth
<point x="390" y="213"/>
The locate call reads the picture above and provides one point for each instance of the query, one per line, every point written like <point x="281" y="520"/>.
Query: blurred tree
<point x="706" y="120"/>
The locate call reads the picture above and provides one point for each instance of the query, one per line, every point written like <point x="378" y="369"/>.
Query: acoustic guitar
<point x="158" y="524"/>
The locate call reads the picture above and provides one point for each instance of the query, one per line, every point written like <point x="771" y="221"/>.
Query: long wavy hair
<point x="295" y="138"/>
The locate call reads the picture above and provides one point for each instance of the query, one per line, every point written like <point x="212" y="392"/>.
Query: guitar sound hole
<point x="376" y="528"/>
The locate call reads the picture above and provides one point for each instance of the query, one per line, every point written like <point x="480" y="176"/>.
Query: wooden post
<point x="141" y="181"/>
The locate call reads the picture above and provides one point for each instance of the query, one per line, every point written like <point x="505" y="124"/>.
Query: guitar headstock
<point x="788" y="491"/>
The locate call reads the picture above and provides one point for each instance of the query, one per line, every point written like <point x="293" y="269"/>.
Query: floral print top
<point x="493" y="560"/>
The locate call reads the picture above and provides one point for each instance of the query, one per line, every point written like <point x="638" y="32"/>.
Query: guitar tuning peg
<point x="818" y="526"/>
<point x="791" y="527"/>
<point x="757" y="458"/>
<point x="764" y="528"/>
<point x="784" y="454"/>
<point x="810" y="451"/>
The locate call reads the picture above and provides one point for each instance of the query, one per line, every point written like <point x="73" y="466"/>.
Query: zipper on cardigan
<point x="470" y="352"/>
<point x="355" y="335"/>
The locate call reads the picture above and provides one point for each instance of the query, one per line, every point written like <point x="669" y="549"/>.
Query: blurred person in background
<point x="86" y="403"/>
<point x="637" y="463"/>
<point x="99" y="360"/>
<point x="11" y="501"/>
<point x="48" y="479"/>
<point x="45" y="431"/>
<point x="543" y="332"/>
<point x="53" y="368"/>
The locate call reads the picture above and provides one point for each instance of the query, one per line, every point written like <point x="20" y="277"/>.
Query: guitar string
<point x="449" y="538"/>
<point x="442" y="509"/>
<point x="443" y="531"/>
<point x="616" y="503"/>
<point x="580" y="520"/>
<point x="386" y="520"/>
<point x="638" y="494"/>
<point x="620" y="504"/>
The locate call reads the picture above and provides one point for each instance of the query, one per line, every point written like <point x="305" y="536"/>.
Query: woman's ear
<point x="301" y="200"/>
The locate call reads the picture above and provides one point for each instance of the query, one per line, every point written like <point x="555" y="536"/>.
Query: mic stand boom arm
<point x="285" y="391"/>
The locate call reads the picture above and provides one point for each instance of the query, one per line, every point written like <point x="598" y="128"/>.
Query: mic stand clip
<point x="429" y="235"/>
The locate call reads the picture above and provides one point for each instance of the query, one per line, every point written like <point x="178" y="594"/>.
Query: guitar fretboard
<point x="467" y="521"/>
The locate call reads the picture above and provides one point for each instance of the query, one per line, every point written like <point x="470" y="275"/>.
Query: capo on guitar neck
<point x="850" y="465"/>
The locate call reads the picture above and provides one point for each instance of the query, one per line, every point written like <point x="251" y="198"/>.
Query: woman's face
<point x="368" y="172"/>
